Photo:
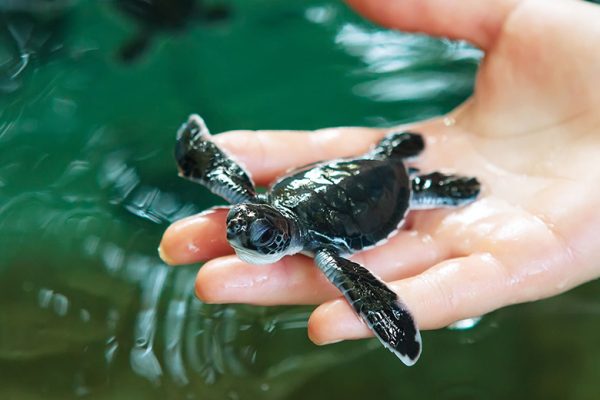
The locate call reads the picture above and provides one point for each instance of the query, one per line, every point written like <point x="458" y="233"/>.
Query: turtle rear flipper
<point x="200" y="160"/>
<point x="377" y="305"/>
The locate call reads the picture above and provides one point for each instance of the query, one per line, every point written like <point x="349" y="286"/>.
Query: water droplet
<point x="449" y="121"/>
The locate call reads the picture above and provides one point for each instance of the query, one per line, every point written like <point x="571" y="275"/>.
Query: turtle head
<point x="261" y="234"/>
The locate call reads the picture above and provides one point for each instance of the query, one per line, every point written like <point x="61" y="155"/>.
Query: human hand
<point x="528" y="133"/>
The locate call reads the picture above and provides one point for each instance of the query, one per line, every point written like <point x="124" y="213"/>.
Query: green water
<point x="88" y="185"/>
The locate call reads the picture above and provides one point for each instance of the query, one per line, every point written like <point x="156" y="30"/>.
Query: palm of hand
<point x="527" y="134"/>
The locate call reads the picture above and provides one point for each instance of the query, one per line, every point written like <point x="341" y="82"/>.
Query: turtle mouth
<point x="252" y="257"/>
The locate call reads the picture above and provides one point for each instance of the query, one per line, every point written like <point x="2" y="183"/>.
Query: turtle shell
<point x="348" y="204"/>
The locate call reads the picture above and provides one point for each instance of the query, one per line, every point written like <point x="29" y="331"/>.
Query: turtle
<point x="329" y="210"/>
<point x="32" y="32"/>
<point x="154" y="16"/>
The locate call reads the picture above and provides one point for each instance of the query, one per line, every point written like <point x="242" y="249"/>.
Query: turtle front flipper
<point x="400" y="145"/>
<point x="200" y="160"/>
<point x="438" y="190"/>
<point x="377" y="305"/>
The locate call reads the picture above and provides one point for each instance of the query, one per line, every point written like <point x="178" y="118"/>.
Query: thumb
<point x="479" y="22"/>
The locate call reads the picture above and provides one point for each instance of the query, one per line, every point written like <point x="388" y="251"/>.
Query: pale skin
<point x="530" y="133"/>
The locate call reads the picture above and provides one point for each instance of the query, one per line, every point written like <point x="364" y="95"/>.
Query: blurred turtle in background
<point x="165" y="15"/>
<point x="28" y="29"/>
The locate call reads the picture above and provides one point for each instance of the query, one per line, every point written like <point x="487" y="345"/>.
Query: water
<point x="88" y="185"/>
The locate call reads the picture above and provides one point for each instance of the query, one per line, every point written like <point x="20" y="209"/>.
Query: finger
<point x="269" y="154"/>
<point x="479" y="22"/>
<point x="453" y="290"/>
<point x="194" y="239"/>
<point x="296" y="280"/>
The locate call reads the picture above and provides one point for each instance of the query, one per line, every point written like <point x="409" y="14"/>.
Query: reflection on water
<point x="29" y="29"/>
<point x="88" y="184"/>
<point x="468" y="323"/>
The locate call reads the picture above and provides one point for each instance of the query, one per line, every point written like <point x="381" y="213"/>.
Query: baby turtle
<point x="154" y="16"/>
<point x="329" y="210"/>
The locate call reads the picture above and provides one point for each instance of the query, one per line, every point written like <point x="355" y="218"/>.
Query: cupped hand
<point x="530" y="133"/>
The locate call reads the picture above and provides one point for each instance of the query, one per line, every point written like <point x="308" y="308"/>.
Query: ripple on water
<point x="87" y="194"/>
<point x="174" y="329"/>
<point x="31" y="31"/>
<point x="142" y="356"/>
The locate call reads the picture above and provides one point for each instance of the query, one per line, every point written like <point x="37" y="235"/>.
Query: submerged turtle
<point x="31" y="32"/>
<point x="154" y="16"/>
<point x="329" y="210"/>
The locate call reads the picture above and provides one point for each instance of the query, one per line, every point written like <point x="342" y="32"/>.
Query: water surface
<point x="88" y="185"/>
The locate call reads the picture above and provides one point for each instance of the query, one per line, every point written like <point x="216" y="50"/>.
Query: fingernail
<point x="332" y="341"/>
<point x="163" y="256"/>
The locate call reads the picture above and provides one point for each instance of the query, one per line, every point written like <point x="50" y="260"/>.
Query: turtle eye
<point x="267" y="237"/>
<point x="262" y="233"/>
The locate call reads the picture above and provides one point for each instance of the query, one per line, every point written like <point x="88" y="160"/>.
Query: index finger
<point x="268" y="154"/>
